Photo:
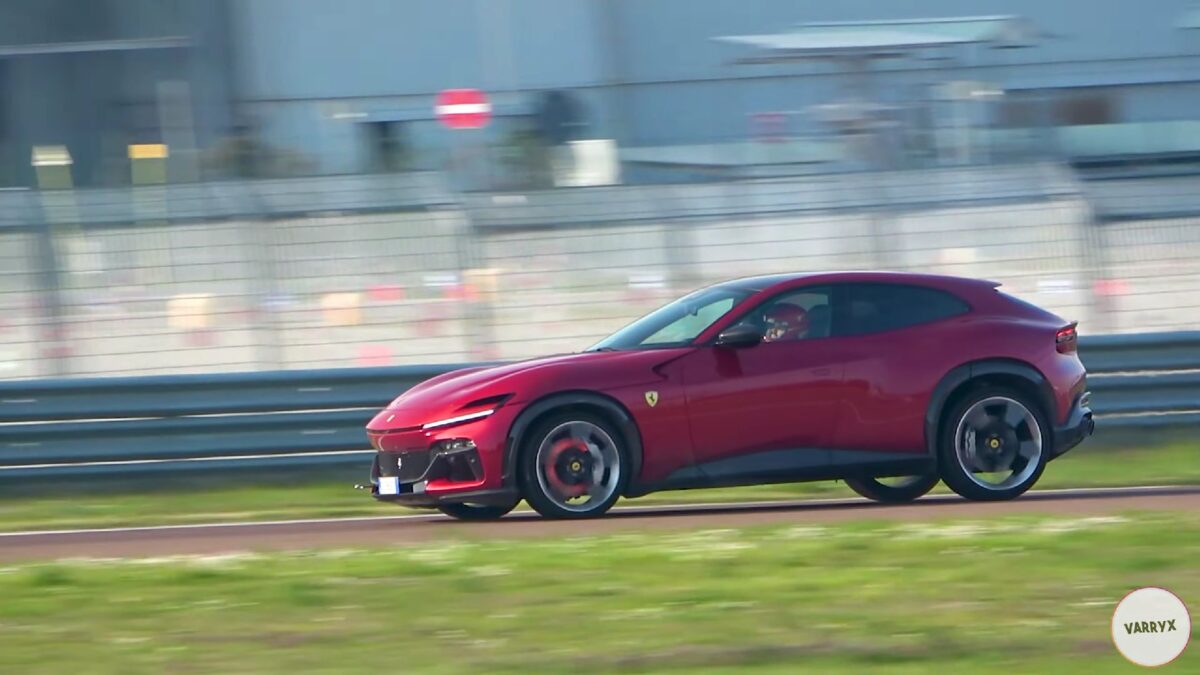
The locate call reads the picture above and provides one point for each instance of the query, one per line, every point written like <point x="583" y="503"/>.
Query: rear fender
<point x="964" y="374"/>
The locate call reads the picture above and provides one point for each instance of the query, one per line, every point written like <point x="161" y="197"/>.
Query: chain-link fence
<point x="361" y="271"/>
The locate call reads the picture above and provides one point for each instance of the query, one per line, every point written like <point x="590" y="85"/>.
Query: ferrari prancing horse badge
<point x="652" y="398"/>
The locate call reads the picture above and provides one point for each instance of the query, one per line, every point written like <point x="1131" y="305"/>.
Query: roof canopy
<point x="1190" y="19"/>
<point x="887" y="39"/>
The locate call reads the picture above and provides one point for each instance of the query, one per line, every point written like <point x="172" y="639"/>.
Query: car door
<point x="770" y="407"/>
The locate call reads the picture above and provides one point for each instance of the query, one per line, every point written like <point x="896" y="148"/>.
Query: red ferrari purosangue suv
<point x="888" y="381"/>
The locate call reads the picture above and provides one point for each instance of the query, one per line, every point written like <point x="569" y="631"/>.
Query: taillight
<point x="1066" y="340"/>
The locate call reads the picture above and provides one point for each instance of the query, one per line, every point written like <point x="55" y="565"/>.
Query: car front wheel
<point x="894" y="490"/>
<point x="994" y="444"/>
<point x="573" y="466"/>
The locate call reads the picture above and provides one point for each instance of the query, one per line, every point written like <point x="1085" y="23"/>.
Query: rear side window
<point x="875" y="308"/>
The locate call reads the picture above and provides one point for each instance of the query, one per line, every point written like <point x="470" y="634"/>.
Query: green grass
<point x="180" y="502"/>
<point x="1011" y="595"/>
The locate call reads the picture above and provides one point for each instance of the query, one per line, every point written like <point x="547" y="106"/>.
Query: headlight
<point x="456" y="445"/>
<point x="460" y="419"/>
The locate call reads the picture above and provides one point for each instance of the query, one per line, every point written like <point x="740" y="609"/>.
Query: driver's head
<point x="785" y="322"/>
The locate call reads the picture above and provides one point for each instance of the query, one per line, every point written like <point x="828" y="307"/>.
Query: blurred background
<point x="286" y="186"/>
<point x="283" y="184"/>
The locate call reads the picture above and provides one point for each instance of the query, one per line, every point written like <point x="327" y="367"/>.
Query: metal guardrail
<point x="293" y="419"/>
<point x="313" y="420"/>
<point x="1147" y="352"/>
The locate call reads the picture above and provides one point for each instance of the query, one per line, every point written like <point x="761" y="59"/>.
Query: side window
<point x="874" y="308"/>
<point x="803" y="314"/>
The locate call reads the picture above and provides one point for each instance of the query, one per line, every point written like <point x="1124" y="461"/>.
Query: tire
<point x="981" y="430"/>
<point x="912" y="488"/>
<point x="476" y="511"/>
<point x="570" y="455"/>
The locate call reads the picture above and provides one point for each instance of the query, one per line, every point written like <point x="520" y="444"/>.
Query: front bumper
<point x="1079" y="426"/>
<point x="460" y="463"/>
<point x="435" y="476"/>
<point x="489" y="497"/>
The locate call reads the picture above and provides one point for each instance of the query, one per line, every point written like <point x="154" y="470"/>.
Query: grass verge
<point x="184" y="502"/>
<point x="1009" y="595"/>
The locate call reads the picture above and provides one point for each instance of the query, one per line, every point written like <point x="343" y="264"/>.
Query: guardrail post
<point x="679" y="249"/>
<point x="1094" y="252"/>
<point x="264" y="283"/>
<point x="470" y="242"/>
<point x="48" y="301"/>
<point x="878" y="215"/>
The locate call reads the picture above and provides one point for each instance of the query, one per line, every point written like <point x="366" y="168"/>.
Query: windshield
<point x="675" y="324"/>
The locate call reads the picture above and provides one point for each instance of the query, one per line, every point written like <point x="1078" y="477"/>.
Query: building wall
<point x="297" y="49"/>
<point x="311" y="72"/>
<point x="1091" y="44"/>
<point x="317" y="79"/>
<point x="97" y="99"/>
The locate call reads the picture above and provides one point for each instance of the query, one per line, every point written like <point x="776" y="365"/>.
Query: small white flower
<point x="490" y="571"/>
<point x="805" y="532"/>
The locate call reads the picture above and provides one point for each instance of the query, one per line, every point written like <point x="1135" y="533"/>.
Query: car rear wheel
<point x="894" y="490"/>
<point x="994" y="444"/>
<point x="476" y="511"/>
<point x="574" y="466"/>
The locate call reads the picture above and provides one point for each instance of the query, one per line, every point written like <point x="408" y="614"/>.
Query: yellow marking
<point x="147" y="151"/>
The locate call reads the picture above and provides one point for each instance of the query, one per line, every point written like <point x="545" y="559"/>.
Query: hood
<point x="470" y="389"/>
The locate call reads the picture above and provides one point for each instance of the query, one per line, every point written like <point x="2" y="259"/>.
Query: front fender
<point x="613" y="408"/>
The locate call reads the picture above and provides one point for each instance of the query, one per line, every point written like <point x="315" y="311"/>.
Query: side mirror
<point x="741" y="335"/>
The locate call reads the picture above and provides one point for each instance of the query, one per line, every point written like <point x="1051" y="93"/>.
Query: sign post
<point x="459" y="110"/>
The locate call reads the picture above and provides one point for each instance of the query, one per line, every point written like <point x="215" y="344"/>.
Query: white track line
<point x="665" y="509"/>
<point x="126" y="462"/>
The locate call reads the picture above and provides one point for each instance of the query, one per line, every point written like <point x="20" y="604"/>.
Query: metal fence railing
<point x="396" y="269"/>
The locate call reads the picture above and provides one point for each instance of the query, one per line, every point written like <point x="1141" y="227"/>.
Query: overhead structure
<point x="1190" y="19"/>
<point x="854" y="47"/>
<point x="874" y="40"/>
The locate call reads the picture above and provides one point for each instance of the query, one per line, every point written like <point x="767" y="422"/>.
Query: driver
<point x="785" y="321"/>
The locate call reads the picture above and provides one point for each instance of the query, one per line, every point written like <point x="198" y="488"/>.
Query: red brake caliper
<point x="550" y="466"/>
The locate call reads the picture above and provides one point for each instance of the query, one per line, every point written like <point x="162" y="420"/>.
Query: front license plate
<point x="389" y="485"/>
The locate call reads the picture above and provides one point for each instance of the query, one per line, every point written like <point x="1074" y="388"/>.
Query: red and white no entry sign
<point x="463" y="108"/>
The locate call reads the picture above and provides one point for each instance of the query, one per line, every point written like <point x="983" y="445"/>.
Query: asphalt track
<point x="214" y="538"/>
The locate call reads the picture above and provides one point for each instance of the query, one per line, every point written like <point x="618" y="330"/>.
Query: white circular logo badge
<point x="1151" y="626"/>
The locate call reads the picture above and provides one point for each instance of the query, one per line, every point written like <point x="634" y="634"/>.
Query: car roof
<point x="775" y="282"/>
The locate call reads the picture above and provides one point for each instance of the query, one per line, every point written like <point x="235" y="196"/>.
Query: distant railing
<point x="313" y="420"/>
<point x="393" y="270"/>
